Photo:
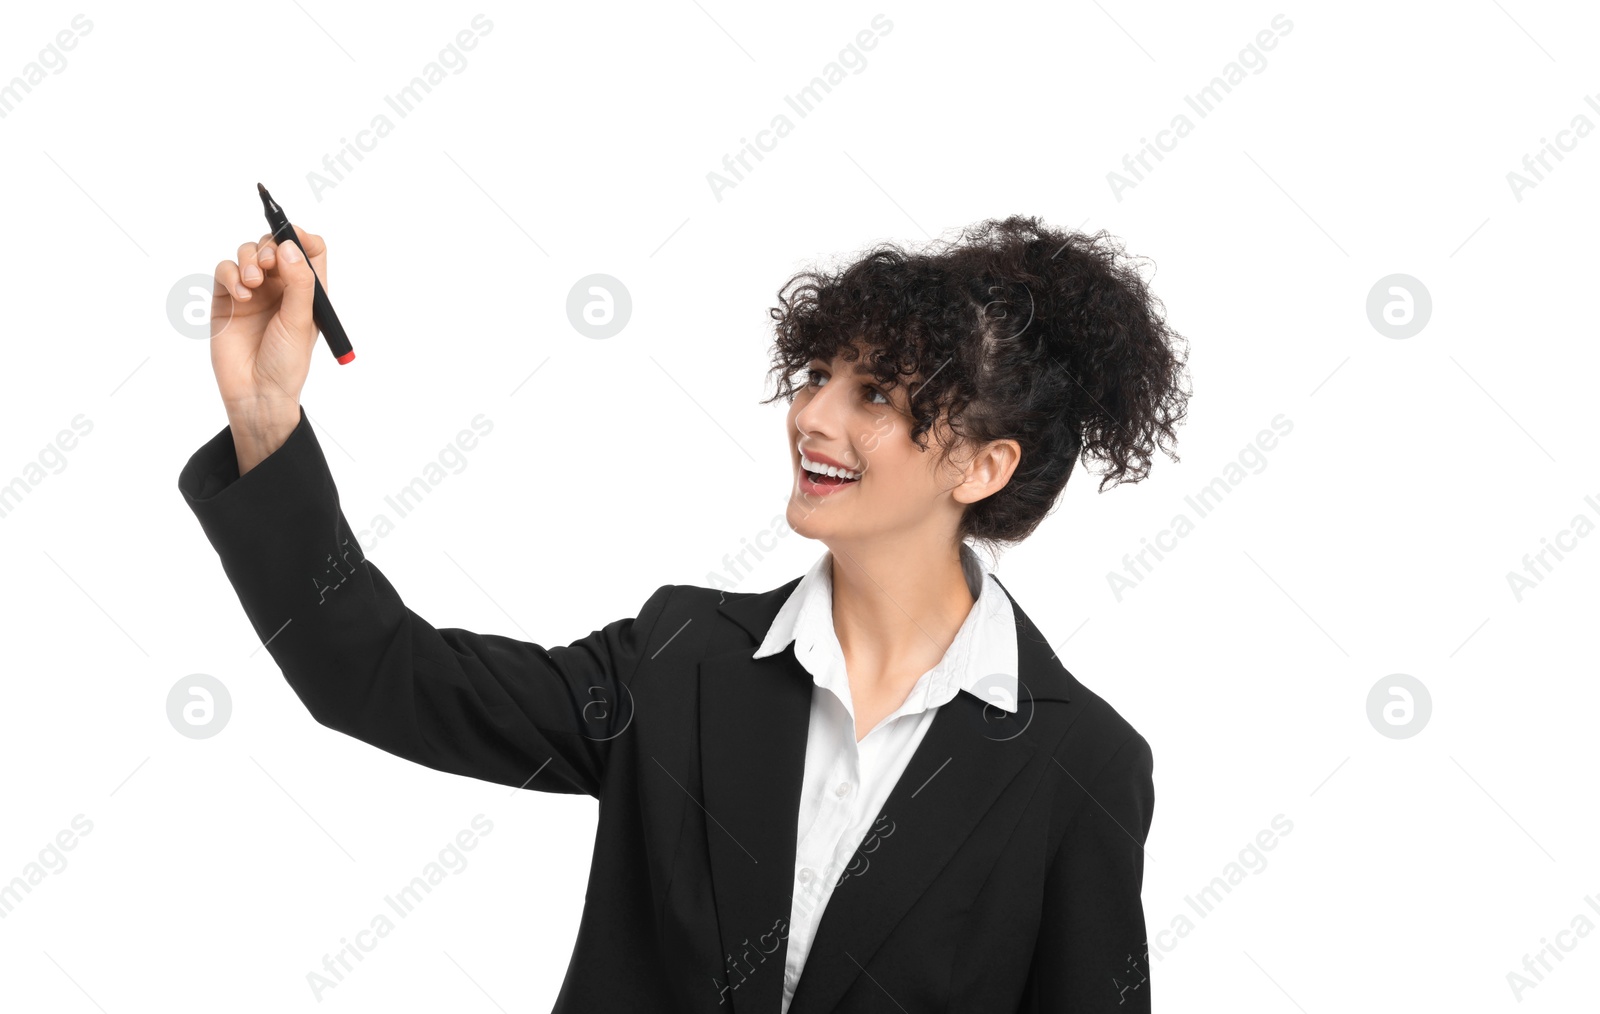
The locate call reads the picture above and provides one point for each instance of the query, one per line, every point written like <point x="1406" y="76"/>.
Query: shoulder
<point x="1100" y="775"/>
<point x="711" y="620"/>
<point x="1101" y="756"/>
<point x="1086" y="730"/>
<point x="1096" y="723"/>
<point x="698" y="600"/>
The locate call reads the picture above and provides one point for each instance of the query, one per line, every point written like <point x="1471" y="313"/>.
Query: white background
<point x="1376" y="139"/>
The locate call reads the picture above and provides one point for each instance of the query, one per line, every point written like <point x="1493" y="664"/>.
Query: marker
<point x="321" y="309"/>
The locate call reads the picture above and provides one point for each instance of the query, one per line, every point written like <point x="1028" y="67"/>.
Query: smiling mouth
<point x="820" y="479"/>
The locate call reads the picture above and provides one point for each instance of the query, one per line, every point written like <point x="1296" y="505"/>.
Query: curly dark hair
<point x="1016" y="331"/>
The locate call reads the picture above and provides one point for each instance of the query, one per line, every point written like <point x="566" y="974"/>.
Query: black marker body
<point x="321" y="309"/>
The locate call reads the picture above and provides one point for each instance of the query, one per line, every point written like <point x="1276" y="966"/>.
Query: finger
<point x="249" y="270"/>
<point x="298" y="292"/>
<point x="227" y="276"/>
<point x="315" y="250"/>
<point x="311" y="243"/>
<point x="266" y="251"/>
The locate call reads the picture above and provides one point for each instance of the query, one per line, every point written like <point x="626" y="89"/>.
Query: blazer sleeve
<point x="364" y="664"/>
<point x="1092" y="952"/>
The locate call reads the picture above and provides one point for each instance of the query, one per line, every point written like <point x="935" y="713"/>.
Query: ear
<point x="988" y="471"/>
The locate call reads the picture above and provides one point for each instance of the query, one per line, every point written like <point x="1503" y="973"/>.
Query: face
<point x="844" y="418"/>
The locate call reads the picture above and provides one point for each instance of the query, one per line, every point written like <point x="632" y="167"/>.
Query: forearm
<point x="482" y="705"/>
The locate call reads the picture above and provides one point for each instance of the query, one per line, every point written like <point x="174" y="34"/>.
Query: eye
<point x="815" y="376"/>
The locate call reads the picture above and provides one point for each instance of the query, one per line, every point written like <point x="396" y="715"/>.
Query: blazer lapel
<point x="754" y="719"/>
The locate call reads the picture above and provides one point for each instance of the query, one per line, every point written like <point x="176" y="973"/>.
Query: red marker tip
<point x="347" y="357"/>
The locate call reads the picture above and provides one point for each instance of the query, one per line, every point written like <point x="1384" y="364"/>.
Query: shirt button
<point x="842" y="789"/>
<point x="805" y="875"/>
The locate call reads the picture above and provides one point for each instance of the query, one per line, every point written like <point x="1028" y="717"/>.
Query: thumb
<point x="298" y="292"/>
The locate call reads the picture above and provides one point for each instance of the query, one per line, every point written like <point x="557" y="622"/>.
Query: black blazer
<point x="1003" y="873"/>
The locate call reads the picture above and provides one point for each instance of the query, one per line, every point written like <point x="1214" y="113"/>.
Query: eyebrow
<point x="860" y="368"/>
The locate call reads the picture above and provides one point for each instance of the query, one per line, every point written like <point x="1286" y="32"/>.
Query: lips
<point x="820" y="467"/>
<point x="814" y="485"/>
<point x="818" y="483"/>
<point x="823" y="459"/>
<point x="827" y="480"/>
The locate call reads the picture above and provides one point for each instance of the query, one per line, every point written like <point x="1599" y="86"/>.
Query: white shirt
<point x="846" y="783"/>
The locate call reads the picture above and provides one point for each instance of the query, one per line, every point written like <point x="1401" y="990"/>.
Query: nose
<point x="821" y="415"/>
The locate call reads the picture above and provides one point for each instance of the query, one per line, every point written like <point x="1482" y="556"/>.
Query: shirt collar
<point x="982" y="659"/>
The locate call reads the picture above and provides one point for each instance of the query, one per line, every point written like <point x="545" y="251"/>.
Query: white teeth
<point x="812" y="466"/>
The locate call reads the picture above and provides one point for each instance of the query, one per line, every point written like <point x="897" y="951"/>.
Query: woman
<point x="872" y="788"/>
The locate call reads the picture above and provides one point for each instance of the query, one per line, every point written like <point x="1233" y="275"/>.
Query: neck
<point x="896" y="610"/>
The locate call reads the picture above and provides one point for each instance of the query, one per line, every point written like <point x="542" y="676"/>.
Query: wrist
<point x="260" y="429"/>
